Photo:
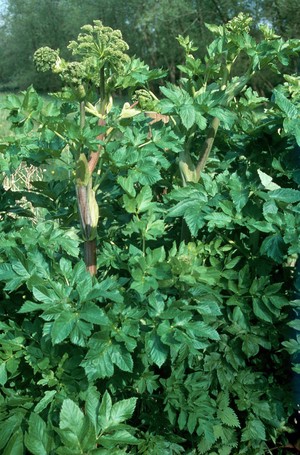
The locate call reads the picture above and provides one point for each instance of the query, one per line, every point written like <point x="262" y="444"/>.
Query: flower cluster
<point x="100" y="46"/>
<point x="46" y="59"/>
<point x="73" y="73"/>
<point x="240" y="23"/>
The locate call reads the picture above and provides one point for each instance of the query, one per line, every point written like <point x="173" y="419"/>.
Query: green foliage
<point x="181" y="342"/>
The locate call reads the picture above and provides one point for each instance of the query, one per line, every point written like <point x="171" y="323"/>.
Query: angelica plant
<point x="101" y="56"/>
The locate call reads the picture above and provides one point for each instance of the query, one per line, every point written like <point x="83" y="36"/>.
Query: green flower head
<point x="73" y="73"/>
<point x="100" y="46"/>
<point x="46" y="59"/>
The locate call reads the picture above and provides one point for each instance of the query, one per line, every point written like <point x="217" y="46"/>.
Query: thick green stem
<point x="207" y="146"/>
<point x="86" y="204"/>
<point x="82" y="115"/>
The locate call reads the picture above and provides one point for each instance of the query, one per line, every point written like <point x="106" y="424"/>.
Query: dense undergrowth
<point x="182" y="340"/>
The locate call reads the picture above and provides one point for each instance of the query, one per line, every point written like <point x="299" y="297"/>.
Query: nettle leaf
<point x="228" y="417"/>
<point x="255" y="429"/>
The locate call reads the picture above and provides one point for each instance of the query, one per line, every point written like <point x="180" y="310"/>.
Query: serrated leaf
<point x="15" y="445"/>
<point x="122" y="359"/>
<point x="98" y="363"/>
<point x="187" y="115"/>
<point x="224" y="115"/>
<point x="90" y="312"/>
<point x="122" y="410"/>
<point x="255" y="429"/>
<point x="143" y="199"/>
<point x="43" y="403"/>
<point x="285" y="195"/>
<point x="295" y="324"/>
<point x="3" y="373"/>
<point x="92" y="404"/>
<point x="120" y="437"/>
<point x="104" y="411"/>
<point x="45" y="295"/>
<point x="192" y="422"/>
<point x="261" y="311"/>
<point x="127" y="184"/>
<point x="106" y="289"/>
<point x="157" y="351"/>
<point x="228" y="417"/>
<point x="273" y="246"/>
<point x="63" y="326"/>
<point x="71" y="417"/>
<point x="203" y="330"/>
<point x="194" y="220"/>
<point x="285" y="105"/>
<point x="201" y="121"/>
<point x="28" y="307"/>
<point x="37" y="439"/>
<point x="8" y="427"/>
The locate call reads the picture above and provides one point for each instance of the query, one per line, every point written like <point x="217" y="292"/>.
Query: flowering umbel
<point x="98" y="49"/>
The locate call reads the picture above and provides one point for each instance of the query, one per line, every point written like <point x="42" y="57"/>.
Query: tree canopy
<point x="149" y="27"/>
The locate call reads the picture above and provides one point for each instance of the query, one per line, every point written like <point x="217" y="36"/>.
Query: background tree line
<point x="149" y="27"/>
